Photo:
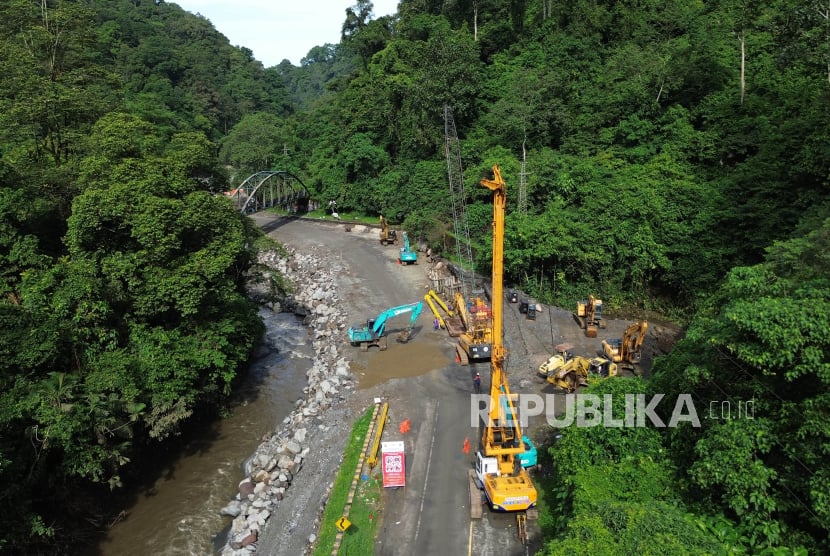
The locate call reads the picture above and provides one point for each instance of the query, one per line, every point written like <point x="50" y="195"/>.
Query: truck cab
<point x="485" y="466"/>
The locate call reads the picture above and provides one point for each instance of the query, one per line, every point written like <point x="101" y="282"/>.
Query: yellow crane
<point x="499" y="472"/>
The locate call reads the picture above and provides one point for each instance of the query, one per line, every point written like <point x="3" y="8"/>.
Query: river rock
<point x="242" y="541"/>
<point x="280" y="456"/>
<point x="246" y="487"/>
<point x="233" y="509"/>
<point x="327" y="387"/>
<point x="261" y="503"/>
<point x="293" y="447"/>
<point x="238" y="525"/>
<point x="285" y="462"/>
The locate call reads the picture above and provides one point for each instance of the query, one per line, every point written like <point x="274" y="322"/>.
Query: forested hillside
<point x="674" y="155"/>
<point x="121" y="275"/>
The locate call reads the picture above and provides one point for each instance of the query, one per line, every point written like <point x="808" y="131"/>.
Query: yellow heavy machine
<point x="387" y="236"/>
<point x="477" y="317"/>
<point x="629" y="349"/>
<point x="447" y="317"/>
<point x="571" y="374"/>
<point x="574" y="373"/>
<point x="506" y="484"/>
<point x="556" y="360"/>
<point x="588" y="315"/>
<point x="603" y="367"/>
<point x="553" y="363"/>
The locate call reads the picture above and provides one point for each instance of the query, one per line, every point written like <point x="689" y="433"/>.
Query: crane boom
<point x="498" y="187"/>
<point x="506" y="483"/>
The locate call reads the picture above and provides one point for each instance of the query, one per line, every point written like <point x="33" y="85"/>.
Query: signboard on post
<point x="394" y="464"/>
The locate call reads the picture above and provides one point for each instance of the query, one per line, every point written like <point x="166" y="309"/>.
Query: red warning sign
<point x="394" y="464"/>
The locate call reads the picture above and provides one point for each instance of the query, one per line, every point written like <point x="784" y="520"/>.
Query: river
<point x="178" y="514"/>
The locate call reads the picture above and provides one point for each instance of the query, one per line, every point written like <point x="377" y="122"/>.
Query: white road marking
<point x="426" y="477"/>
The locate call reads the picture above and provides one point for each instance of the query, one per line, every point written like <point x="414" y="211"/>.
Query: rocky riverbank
<point x="268" y="495"/>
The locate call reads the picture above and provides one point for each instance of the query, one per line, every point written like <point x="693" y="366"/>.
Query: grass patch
<point x="359" y="539"/>
<point x="362" y="532"/>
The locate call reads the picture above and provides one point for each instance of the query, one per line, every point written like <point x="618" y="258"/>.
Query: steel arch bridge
<point x="270" y="188"/>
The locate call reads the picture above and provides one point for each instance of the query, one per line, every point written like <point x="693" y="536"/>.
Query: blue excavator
<point x="408" y="254"/>
<point x="373" y="333"/>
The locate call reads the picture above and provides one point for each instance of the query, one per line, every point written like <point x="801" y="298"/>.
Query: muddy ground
<point x="425" y="386"/>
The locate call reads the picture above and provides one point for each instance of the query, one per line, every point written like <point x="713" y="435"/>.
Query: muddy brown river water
<point x="179" y="513"/>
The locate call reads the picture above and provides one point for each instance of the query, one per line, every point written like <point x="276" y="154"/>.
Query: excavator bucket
<point x="404" y="335"/>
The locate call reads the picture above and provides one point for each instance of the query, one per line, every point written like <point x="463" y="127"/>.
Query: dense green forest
<point x="675" y="158"/>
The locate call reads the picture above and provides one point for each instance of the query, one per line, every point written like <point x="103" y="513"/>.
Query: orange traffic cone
<point x="404" y="428"/>
<point x="467" y="445"/>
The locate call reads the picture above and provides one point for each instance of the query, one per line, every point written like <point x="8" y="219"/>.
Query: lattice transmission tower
<point x="522" y="204"/>
<point x="455" y="172"/>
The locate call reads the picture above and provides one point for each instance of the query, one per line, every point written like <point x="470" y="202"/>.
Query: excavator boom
<point x="627" y="349"/>
<point x="387" y="236"/>
<point x="405" y="334"/>
<point x="374" y="332"/>
<point x="380" y="321"/>
<point x="408" y="255"/>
